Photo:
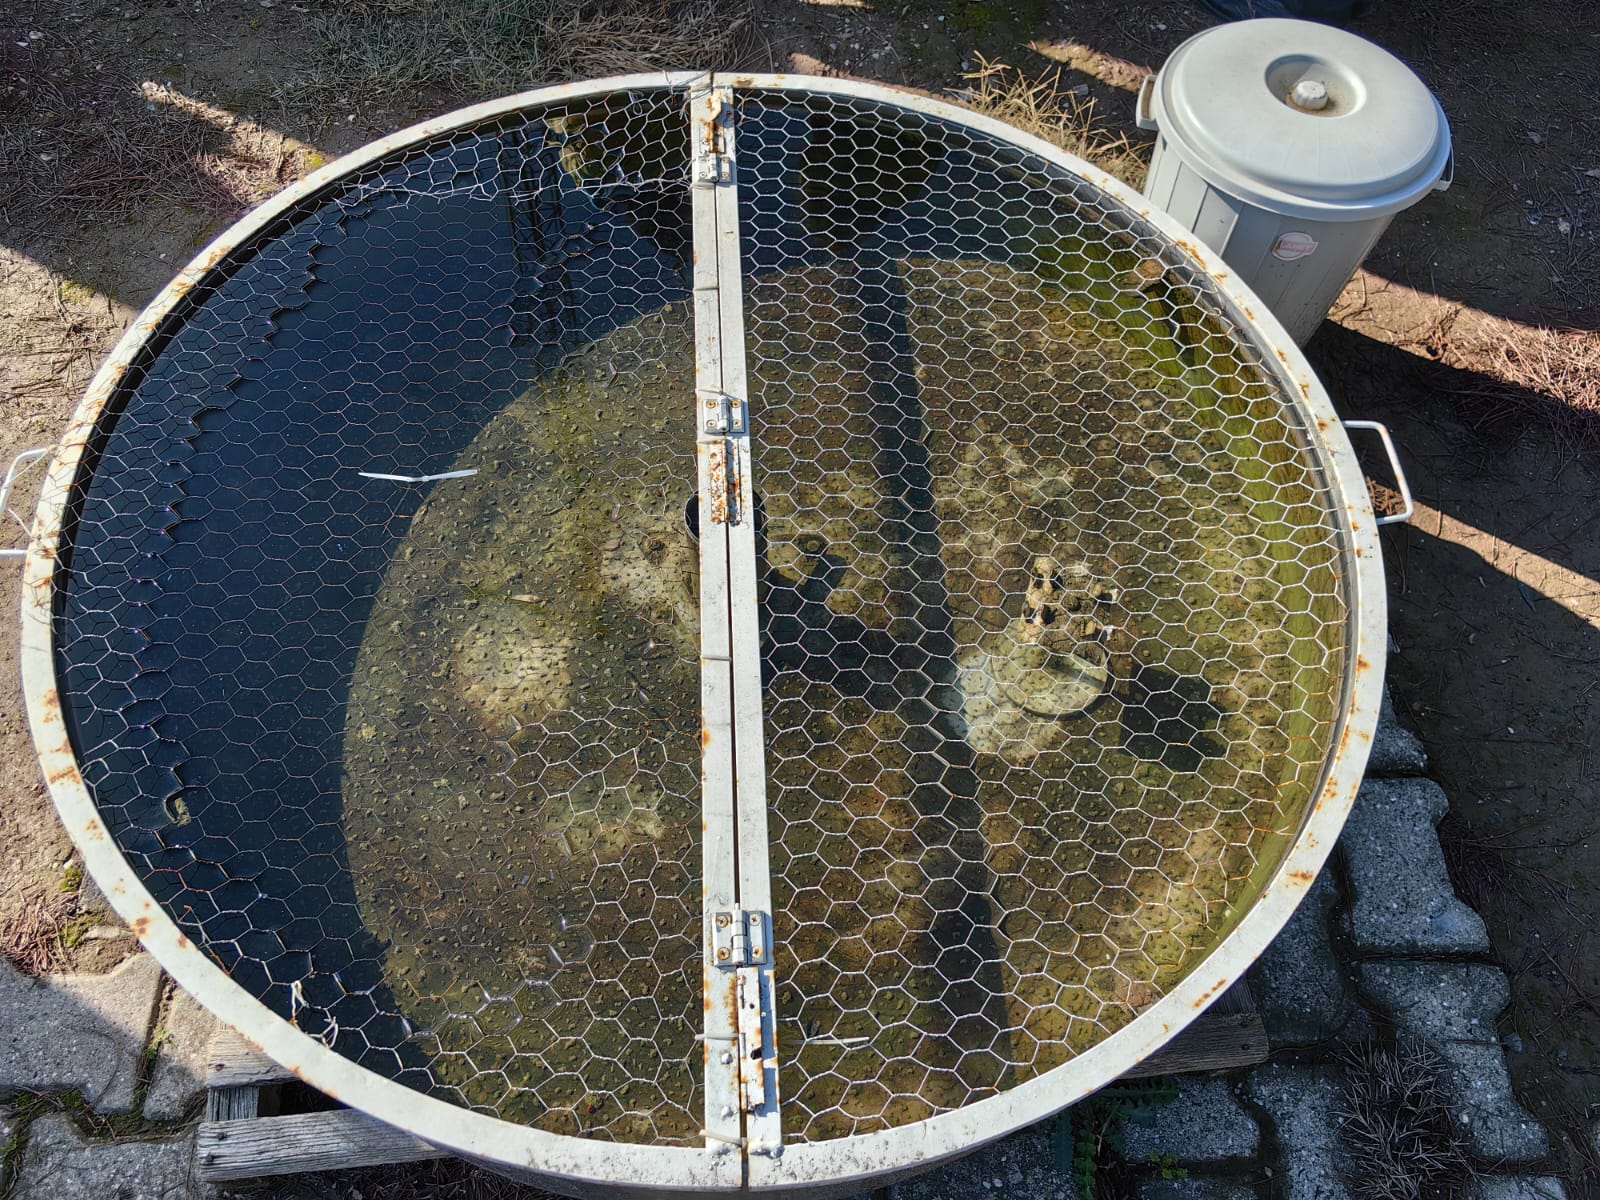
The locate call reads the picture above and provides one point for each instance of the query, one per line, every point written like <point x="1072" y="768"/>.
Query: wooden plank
<point x="233" y="1062"/>
<point x="1214" y="1042"/>
<point x="319" y="1141"/>
<point x="1236" y="999"/>
<point x="233" y="1104"/>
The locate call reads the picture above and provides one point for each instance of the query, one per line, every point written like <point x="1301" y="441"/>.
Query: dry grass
<point x="1404" y="1143"/>
<point x="104" y="153"/>
<point x="480" y="48"/>
<point x="1551" y="376"/>
<point x="1045" y="108"/>
<point x="35" y="941"/>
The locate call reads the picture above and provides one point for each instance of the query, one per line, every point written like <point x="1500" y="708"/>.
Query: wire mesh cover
<point x="1051" y="587"/>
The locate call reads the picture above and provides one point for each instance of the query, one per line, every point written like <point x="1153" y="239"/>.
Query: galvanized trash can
<point x="1287" y="147"/>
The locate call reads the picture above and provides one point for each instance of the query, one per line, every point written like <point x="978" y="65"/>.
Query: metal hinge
<point x="721" y="413"/>
<point x="740" y="944"/>
<point x="739" y="938"/>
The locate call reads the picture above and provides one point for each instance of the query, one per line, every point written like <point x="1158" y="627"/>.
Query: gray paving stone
<point x="1196" y="1187"/>
<point x="180" y="1075"/>
<point x="1451" y="1008"/>
<point x="1402" y="901"/>
<point x="1296" y="984"/>
<point x="61" y="1164"/>
<point x="1015" y="1167"/>
<point x="1519" y="1187"/>
<point x="1204" y="1124"/>
<point x="81" y="1033"/>
<point x="1300" y="1103"/>
<point x="1395" y="749"/>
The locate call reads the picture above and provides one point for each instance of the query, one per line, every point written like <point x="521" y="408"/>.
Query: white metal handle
<point x="1445" y="180"/>
<point x="1382" y="430"/>
<point x="1143" y="115"/>
<point x="19" y="464"/>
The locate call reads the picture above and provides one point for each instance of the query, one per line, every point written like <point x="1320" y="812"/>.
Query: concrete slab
<point x="62" y="1164"/>
<point x="1205" y="1124"/>
<point x="1519" y="1187"/>
<point x="1452" y="1009"/>
<point x="1296" y="984"/>
<point x="82" y="1033"/>
<point x="1196" y="1187"/>
<point x="1300" y="1102"/>
<point x="1021" y="1165"/>
<point x="1402" y="901"/>
<point x="1395" y="749"/>
<point x="179" y="1079"/>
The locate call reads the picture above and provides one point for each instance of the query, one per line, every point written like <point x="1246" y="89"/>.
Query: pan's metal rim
<point x="811" y="1166"/>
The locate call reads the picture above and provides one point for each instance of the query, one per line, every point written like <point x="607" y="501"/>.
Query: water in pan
<point x="1050" y="676"/>
<point x="1050" y="682"/>
<point x="522" y="754"/>
<point x="234" y="545"/>
<point x="1051" y="613"/>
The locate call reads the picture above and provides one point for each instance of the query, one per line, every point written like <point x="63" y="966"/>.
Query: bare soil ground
<point x="130" y="133"/>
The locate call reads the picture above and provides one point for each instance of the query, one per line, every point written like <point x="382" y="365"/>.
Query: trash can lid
<point x="1303" y="118"/>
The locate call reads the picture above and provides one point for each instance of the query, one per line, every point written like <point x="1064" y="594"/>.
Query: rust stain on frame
<point x="715" y="455"/>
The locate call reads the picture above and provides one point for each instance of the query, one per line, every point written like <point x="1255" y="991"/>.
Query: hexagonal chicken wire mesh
<point x="396" y="620"/>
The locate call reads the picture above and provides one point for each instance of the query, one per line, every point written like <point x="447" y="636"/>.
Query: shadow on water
<point x="911" y="672"/>
<point x="1167" y="717"/>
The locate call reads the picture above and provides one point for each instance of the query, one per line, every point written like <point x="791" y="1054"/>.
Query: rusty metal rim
<point x="810" y="1167"/>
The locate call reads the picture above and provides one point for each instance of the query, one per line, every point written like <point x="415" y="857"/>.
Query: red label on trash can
<point x="1291" y="246"/>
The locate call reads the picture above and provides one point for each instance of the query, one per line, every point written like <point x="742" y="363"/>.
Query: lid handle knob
<point x="1310" y="94"/>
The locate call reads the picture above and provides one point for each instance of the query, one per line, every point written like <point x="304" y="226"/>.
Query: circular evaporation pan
<point x="564" y="545"/>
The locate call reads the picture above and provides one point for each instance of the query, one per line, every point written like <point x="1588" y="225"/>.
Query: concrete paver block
<point x="1301" y="1103"/>
<point x="1519" y="1187"/>
<point x="1296" y="983"/>
<point x="180" y="1074"/>
<point x="1204" y="1124"/>
<point x="1402" y="899"/>
<point x="1014" y="1167"/>
<point x="62" y="1164"/>
<point x="1395" y="749"/>
<point x="1451" y="1008"/>
<point x="81" y="1033"/>
<point x="1196" y="1187"/>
